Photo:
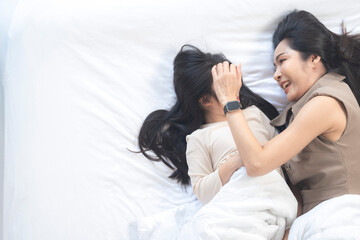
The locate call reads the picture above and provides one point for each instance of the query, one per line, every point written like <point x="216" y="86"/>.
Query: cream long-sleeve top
<point x="211" y="145"/>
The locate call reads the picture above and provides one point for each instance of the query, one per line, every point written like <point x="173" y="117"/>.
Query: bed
<point x="78" y="79"/>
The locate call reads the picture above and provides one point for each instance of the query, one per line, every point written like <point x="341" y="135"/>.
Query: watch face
<point x="231" y="106"/>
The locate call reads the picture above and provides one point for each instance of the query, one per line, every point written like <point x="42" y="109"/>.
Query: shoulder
<point x="335" y="89"/>
<point x="333" y="85"/>
<point x="322" y="114"/>
<point x="329" y="91"/>
<point x="252" y="112"/>
<point x="339" y="91"/>
<point x="321" y="106"/>
<point x="323" y="103"/>
<point x="259" y="123"/>
<point x="204" y="132"/>
<point x="197" y="134"/>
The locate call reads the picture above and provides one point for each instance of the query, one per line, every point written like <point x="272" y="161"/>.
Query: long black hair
<point x="339" y="53"/>
<point x="164" y="131"/>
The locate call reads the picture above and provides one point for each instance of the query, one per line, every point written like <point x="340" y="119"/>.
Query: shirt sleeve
<point x="259" y="125"/>
<point x="205" y="180"/>
<point x="270" y="129"/>
<point x="263" y="131"/>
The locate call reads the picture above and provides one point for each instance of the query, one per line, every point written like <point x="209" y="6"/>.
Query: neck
<point x="319" y="71"/>
<point x="214" y="115"/>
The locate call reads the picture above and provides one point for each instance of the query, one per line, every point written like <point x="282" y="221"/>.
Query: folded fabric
<point x="245" y="208"/>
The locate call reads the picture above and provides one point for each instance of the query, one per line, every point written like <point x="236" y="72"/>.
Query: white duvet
<point x="255" y="208"/>
<point x="334" y="219"/>
<point x="245" y="208"/>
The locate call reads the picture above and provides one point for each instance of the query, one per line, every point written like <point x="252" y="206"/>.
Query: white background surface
<point x="7" y="8"/>
<point x="81" y="76"/>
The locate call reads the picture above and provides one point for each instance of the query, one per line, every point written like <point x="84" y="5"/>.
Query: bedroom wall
<point x="7" y="8"/>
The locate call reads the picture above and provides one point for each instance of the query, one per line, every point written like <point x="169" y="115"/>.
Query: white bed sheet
<point x="7" y="8"/>
<point x="81" y="76"/>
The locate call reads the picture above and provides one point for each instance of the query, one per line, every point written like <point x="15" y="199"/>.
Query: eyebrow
<point x="277" y="57"/>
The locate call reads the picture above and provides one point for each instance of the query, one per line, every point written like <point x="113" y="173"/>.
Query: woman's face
<point x="292" y="73"/>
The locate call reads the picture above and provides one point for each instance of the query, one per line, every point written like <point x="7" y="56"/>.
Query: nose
<point x="277" y="74"/>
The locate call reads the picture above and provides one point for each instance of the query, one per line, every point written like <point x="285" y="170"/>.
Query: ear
<point x="315" y="59"/>
<point x="204" y="101"/>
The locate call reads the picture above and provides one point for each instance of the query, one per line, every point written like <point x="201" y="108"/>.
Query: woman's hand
<point x="228" y="168"/>
<point x="227" y="81"/>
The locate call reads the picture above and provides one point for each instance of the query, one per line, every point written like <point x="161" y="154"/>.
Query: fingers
<point x="224" y="67"/>
<point x="233" y="68"/>
<point x="219" y="68"/>
<point x="238" y="68"/>
<point x="227" y="81"/>
<point x="239" y="74"/>
<point x="214" y="73"/>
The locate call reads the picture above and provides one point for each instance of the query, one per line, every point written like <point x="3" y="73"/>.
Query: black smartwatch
<point x="232" y="106"/>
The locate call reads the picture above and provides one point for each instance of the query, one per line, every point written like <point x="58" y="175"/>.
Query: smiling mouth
<point x="285" y="84"/>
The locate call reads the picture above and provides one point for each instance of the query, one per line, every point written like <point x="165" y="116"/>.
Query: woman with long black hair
<point x="320" y="148"/>
<point x="164" y="131"/>
<point x="193" y="139"/>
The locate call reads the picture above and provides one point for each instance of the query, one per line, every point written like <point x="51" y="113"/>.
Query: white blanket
<point x="245" y="208"/>
<point x="334" y="219"/>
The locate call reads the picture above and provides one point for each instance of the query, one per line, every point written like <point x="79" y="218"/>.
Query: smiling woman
<point x="324" y="98"/>
<point x="320" y="74"/>
<point x="294" y="74"/>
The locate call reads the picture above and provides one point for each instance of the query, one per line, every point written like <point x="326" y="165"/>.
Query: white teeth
<point x="285" y="84"/>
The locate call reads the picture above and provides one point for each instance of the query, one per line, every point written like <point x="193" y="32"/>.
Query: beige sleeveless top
<point x="326" y="169"/>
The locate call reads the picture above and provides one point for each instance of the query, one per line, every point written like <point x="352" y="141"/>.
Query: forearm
<point x="206" y="187"/>
<point x="313" y="120"/>
<point x="251" y="151"/>
<point x="227" y="83"/>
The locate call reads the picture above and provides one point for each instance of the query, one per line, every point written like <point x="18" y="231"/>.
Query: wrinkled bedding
<point x="334" y="219"/>
<point x="80" y="76"/>
<point x="245" y="208"/>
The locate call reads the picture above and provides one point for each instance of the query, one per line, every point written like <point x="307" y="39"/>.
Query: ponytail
<point x="349" y="60"/>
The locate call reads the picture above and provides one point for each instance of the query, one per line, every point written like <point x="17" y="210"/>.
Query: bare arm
<point x="311" y="121"/>
<point x="321" y="115"/>
<point x="263" y="132"/>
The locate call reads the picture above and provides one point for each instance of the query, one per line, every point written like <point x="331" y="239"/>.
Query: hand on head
<point x="227" y="81"/>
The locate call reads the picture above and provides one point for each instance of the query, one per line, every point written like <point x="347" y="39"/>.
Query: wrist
<point x="232" y="106"/>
